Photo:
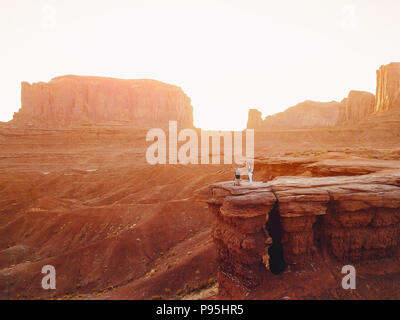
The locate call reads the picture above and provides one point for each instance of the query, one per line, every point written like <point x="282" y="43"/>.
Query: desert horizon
<point x="227" y="56"/>
<point x="340" y="116"/>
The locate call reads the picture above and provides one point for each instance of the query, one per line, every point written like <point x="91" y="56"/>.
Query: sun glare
<point x="228" y="56"/>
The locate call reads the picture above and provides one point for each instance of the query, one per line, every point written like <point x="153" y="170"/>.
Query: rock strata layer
<point x="346" y="219"/>
<point x="357" y="106"/>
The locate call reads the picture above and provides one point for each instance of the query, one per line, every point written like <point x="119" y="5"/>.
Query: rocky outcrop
<point x="308" y="114"/>
<point x="351" y="110"/>
<point x="240" y="233"/>
<point x="254" y="120"/>
<point x="72" y="99"/>
<point x="293" y="222"/>
<point x="388" y="87"/>
<point x="357" y="106"/>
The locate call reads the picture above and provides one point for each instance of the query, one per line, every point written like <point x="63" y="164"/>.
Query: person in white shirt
<point x="250" y="168"/>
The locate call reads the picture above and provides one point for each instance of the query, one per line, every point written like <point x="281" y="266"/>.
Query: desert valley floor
<point x="84" y="200"/>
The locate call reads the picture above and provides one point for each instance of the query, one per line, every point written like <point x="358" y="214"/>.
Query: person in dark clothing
<point x="237" y="177"/>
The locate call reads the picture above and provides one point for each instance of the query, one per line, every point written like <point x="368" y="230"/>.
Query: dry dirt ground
<point x="85" y="201"/>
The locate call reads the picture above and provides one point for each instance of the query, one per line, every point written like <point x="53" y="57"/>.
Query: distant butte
<point x="307" y="114"/>
<point x="71" y="99"/>
<point x="356" y="107"/>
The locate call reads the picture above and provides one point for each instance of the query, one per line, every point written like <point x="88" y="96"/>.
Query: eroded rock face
<point x="254" y="120"/>
<point x="240" y="233"/>
<point x="356" y="107"/>
<point x="72" y="99"/>
<point x="307" y="114"/>
<point x="346" y="219"/>
<point x="388" y="87"/>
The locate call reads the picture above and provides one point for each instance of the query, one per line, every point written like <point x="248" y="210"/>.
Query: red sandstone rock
<point x="71" y="99"/>
<point x="308" y="114"/>
<point x="356" y="107"/>
<point x="388" y="87"/>
<point x="254" y="120"/>
<point x="346" y="219"/>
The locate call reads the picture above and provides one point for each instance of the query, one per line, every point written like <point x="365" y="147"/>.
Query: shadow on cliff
<point x="277" y="263"/>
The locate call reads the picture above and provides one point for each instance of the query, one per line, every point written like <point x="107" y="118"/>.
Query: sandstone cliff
<point x="307" y="114"/>
<point x="388" y="87"/>
<point x="254" y="120"/>
<point x="71" y="99"/>
<point x="292" y="223"/>
<point x="356" y="107"/>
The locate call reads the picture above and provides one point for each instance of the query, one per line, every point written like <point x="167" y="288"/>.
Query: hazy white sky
<point x="228" y="56"/>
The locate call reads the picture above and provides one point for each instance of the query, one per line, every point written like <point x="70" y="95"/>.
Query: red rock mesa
<point x="353" y="109"/>
<point x="71" y="99"/>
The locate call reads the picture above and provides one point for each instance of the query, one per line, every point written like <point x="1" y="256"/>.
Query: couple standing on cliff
<point x="246" y="170"/>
